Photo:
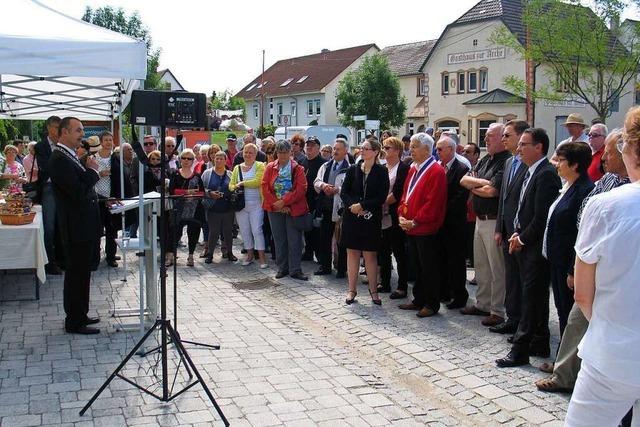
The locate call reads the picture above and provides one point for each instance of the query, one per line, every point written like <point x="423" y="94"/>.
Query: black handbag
<point x="303" y="222"/>
<point x="236" y="198"/>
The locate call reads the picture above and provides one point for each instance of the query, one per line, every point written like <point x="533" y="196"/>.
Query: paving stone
<point x="292" y="354"/>
<point x="535" y="415"/>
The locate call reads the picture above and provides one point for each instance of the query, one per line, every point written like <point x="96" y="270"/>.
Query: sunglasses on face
<point x="594" y="135"/>
<point x="186" y="158"/>
<point x="147" y="144"/>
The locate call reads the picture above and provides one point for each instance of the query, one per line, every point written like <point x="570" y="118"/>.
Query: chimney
<point x="325" y="51"/>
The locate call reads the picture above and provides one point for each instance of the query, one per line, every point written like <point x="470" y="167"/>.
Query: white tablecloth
<point x="22" y="246"/>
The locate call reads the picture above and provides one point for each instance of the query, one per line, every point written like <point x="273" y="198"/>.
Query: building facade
<point x="405" y="61"/>
<point x="466" y="71"/>
<point x="301" y="91"/>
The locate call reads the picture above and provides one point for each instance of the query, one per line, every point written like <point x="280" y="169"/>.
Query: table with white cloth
<point x="22" y="247"/>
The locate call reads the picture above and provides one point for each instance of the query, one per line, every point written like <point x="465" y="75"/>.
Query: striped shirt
<point x="608" y="182"/>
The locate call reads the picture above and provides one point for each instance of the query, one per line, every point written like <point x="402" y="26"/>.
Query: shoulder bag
<point x="303" y="222"/>
<point x="236" y="198"/>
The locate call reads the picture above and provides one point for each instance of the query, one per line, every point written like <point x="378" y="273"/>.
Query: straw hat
<point x="575" y="119"/>
<point x="94" y="144"/>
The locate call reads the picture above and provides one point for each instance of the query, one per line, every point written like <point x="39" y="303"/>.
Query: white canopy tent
<point x="66" y="67"/>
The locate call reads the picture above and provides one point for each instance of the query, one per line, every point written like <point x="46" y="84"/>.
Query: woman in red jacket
<point x="284" y="189"/>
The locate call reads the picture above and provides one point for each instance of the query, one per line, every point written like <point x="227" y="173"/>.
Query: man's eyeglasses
<point x="146" y="144"/>
<point x="186" y="158"/>
<point x="594" y="135"/>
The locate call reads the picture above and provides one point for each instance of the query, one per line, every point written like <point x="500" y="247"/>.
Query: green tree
<point x="371" y="89"/>
<point x="8" y="131"/>
<point x="130" y="25"/>
<point x="226" y="101"/>
<point x="578" y="52"/>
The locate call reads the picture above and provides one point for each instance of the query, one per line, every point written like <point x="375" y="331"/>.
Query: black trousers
<point x="193" y="234"/>
<point x="470" y="229"/>
<point x="513" y="287"/>
<point x="110" y="228"/>
<point x="562" y="295"/>
<point x="533" y="328"/>
<point x="324" y="239"/>
<point x="393" y="242"/>
<point x="77" y="279"/>
<point x="311" y="240"/>
<point x="452" y="260"/>
<point x="426" y="290"/>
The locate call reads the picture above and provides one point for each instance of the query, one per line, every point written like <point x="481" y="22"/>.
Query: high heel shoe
<point x="350" y="301"/>
<point x="376" y="301"/>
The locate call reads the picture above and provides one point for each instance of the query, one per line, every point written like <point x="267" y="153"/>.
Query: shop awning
<point x="496" y="96"/>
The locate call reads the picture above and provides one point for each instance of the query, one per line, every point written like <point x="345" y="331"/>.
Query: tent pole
<point x="122" y="195"/>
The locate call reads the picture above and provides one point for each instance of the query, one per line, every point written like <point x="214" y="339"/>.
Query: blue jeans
<point x="49" y="220"/>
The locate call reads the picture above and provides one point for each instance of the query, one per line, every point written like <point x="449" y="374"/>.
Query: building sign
<point x="565" y="103"/>
<point x="477" y="55"/>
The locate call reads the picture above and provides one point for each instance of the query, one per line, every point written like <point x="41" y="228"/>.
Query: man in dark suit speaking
<point x="539" y="189"/>
<point x="78" y="219"/>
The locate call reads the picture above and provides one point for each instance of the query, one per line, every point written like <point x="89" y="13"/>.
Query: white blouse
<point x="609" y="237"/>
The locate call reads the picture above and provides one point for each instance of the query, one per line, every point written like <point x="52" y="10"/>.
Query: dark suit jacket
<point x="542" y="190"/>
<point x="78" y="216"/>
<point x="43" y="152"/>
<point x="457" y="196"/>
<point x="398" y="187"/>
<point x="562" y="229"/>
<point x="509" y="196"/>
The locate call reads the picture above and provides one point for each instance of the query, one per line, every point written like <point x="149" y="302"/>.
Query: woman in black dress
<point x="364" y="191"/>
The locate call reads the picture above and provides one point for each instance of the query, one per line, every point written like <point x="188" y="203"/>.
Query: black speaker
<point x="171" y="109"/>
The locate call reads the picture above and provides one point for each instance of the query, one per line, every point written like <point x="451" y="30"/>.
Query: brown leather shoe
<point x="425" y="312"/>
<point x="409" y="306"/>
<point x="492" y="320"/>
<point x="473" y="311"/>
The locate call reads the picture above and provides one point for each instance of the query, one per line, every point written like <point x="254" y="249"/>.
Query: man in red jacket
<point x="421" y="212"/>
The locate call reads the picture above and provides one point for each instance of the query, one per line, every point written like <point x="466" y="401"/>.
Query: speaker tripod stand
<point x="163" y="325"/>
<point x="174" y="239"/>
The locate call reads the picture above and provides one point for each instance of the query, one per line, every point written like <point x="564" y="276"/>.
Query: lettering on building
<point x="564" y="103"/>
<point x="477" y="55"/>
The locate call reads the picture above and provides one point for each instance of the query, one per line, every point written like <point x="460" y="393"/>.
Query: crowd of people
<point x="526" y="224"/>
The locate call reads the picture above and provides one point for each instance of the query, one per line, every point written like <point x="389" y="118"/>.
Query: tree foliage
<point x="226" y="101"/>
<point x="371" y="89"/>
<point x="580" y="54"/>
<point x="130" y="25"/>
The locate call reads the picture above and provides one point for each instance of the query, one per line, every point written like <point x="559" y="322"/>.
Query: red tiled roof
<point x="320" y="69"/>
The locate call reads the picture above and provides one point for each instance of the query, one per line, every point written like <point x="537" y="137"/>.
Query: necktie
<point x="514" y="167"/>
<point x="335" y="166"/>
<point x="516" y="221"/>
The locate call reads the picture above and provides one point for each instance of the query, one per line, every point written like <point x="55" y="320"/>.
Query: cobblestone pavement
<point x="292" y="354"/>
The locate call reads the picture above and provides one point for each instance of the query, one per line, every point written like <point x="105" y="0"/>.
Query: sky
<point x="212" y="45"/>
